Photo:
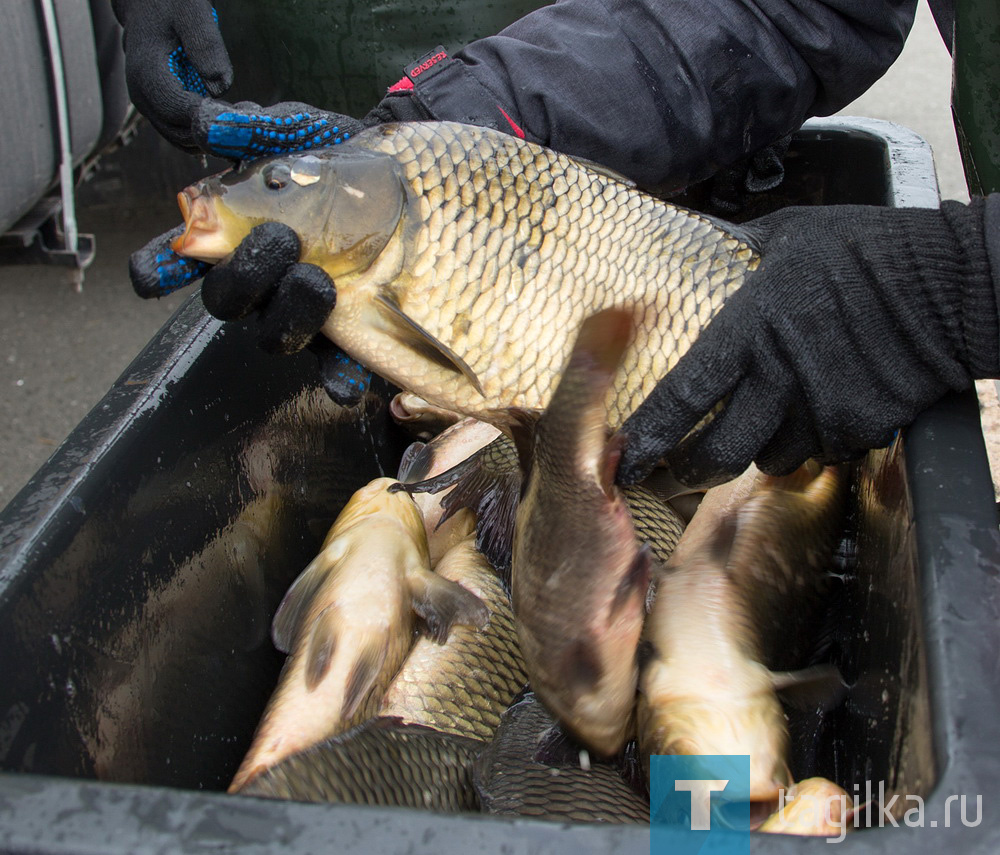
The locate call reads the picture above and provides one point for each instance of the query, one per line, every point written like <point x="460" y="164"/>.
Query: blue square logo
<point x="685" y="796"/>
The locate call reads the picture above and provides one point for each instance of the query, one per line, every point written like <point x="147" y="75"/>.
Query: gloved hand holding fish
<point x="465" y="259"/>
<point x="264" y="274"/>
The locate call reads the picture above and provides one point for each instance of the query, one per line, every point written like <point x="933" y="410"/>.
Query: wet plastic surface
<point x="140" y="567"/>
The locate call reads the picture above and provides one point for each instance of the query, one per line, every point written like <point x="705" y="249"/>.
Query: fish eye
<point x="276" y="176"/>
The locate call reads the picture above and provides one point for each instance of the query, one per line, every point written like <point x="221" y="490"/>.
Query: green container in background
<point x="340" y="54"/>
<point x="976" y="92"/>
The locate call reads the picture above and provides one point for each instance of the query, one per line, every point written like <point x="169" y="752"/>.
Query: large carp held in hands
<point x="466" y="259"/>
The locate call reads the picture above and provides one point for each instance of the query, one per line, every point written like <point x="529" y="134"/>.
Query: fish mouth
<point x="203" y="236"/>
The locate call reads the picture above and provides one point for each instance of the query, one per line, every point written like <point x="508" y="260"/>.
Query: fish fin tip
<point x="443" y="603"/>
<point x="294" y="605"/>
<point x="603" y="339"/>
<point x="363" y="676"/>
<point x="816" y="687"/>
<point x="411" y="334"/>
<point x="412" y="465"/>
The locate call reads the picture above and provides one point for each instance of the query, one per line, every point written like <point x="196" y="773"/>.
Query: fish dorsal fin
<point x="606" y="171"/>
<point x="410" y="334"/>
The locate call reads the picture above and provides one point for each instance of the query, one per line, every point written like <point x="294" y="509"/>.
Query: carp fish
<point x="348" y="621"/>
<point x="465" y="259"/>
<point x="739" y="590"/>
<point x="580" y="577"/>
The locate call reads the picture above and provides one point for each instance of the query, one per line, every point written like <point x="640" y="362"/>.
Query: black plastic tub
<point x="140" y="567"/>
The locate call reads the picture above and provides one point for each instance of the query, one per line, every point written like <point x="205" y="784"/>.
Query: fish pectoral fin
<point x="436" y="483"/>
<point x="412" y="335"/>
<point x="816" y="687"/>
<point x="369" y="659"/>
<point x="443" y="603"/>
<point x="319" y="652"/>
<point x="292" y="611"/>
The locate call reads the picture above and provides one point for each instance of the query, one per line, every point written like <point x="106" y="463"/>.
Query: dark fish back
<point x="381" y="762"/>
<point x="529" y="770"/>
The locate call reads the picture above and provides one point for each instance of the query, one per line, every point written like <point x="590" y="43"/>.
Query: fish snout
<point x="202" y="237"/>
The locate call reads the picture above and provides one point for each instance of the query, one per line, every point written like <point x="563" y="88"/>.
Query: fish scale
<point x="609" y="245"/>
<point x="381" y="762"/>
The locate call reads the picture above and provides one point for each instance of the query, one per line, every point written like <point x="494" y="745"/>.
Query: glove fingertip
<point x="345" y="381"/>
<point x="305" y="297"/>
<point x="639" y="457"/>
<point x="156" y="270"/>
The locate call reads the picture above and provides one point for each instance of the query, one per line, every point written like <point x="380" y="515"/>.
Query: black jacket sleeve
<point x="666" y="91"/>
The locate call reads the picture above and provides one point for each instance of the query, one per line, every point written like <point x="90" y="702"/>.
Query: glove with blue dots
<point x="174" y="59"/>
<point x="246" y="131"/>
<point x="292" y="300"/>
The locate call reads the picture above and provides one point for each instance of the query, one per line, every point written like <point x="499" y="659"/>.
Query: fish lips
<point x="203" y="236"/>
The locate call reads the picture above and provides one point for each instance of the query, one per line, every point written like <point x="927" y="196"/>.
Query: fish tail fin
<point x="603" y="339"/>
<point x="489" y="484"/>
<point x="443" y="603"/>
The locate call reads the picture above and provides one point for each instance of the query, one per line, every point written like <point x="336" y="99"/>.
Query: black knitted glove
<point x="264" y="275"/>
<point x="293" y="301"/>
<point x="174" y="58"/>
<point x="856" y="320"/>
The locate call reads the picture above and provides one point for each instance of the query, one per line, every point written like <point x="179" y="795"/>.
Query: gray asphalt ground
<point x="61" y="350"/>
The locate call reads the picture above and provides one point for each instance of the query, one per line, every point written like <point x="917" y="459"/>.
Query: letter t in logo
<point x="701" y="800"/>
